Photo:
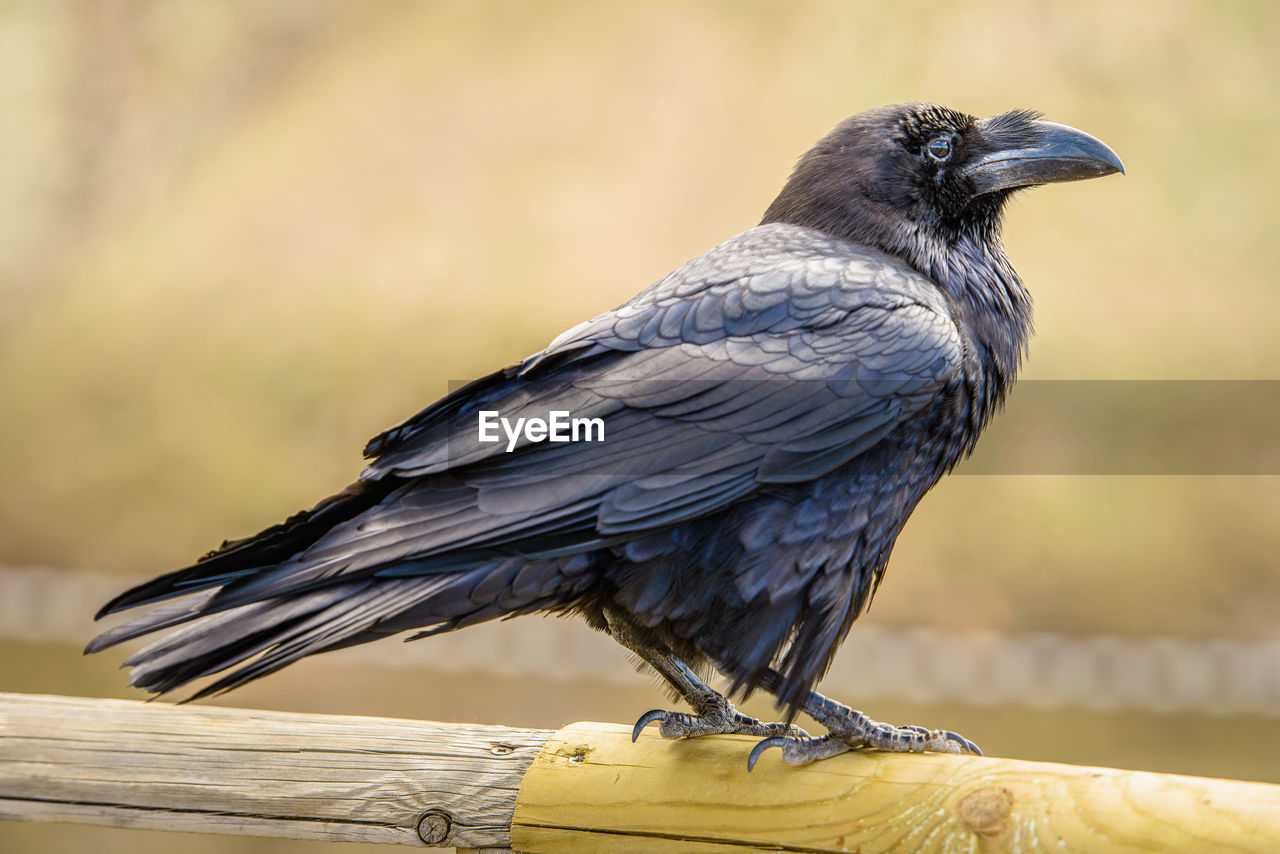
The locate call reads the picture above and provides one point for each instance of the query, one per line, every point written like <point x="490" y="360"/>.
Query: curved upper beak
<point x="1058" y="153"/>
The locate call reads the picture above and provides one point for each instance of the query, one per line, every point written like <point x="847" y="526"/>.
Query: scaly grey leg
<point x="849" y="729"/>
<point x="714" y="714"/>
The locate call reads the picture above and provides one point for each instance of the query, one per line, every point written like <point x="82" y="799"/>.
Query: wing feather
<point x="774" y="358"/>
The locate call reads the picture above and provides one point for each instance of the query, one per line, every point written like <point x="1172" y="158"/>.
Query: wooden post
<point x="583" y="788"/>
<point x="326" y="777"/>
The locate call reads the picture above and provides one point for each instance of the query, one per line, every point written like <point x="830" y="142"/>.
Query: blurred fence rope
<point x="1161" y="674"/>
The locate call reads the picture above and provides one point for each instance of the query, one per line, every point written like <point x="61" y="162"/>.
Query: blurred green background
<point x="237" y="239"/>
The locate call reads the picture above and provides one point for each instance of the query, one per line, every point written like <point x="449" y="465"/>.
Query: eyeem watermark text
<point x="557" y="427"/>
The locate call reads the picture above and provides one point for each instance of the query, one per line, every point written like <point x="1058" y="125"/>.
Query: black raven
<point x="772" y="412"/>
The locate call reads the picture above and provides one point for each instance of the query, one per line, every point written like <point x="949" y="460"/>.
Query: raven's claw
<point x="761" y="747"/>
<point x="800" y="751"/>
<point x="646" y="719"/>
<point x="716" y="716"/>
<point x="966" y="745"/>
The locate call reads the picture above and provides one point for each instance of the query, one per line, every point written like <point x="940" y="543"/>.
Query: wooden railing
<point x="583" y="788"/>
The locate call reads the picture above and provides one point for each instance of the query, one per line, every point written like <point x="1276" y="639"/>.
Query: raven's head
<point x="907" y="177"/>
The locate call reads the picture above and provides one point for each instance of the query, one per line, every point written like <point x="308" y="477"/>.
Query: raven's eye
<point x="939" y="148"/>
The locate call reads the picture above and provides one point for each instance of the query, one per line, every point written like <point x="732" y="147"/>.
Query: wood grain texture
<point x="591" y="789"/>
<point x="130" y="764"/>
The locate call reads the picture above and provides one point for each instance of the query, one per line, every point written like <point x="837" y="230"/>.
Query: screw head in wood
<point x="433" y="827"/>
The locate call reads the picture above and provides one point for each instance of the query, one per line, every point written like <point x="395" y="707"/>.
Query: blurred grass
<point x="238" y="239"/>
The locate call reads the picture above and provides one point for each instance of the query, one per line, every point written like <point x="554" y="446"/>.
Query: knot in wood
<point x="986" y="811"/>
<point x="433" y="827"/>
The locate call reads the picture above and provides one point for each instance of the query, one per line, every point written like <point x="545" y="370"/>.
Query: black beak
<point x="1055" y="153"/>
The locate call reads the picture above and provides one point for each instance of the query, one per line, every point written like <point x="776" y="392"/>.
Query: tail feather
<point x="262" y="637"/>
<point x="208" y="635"/>
<point x="237" y="559"/>
<point x="164" y="674"/>
<point x="330" y="628"/>
<point x="161" y="617"/>
<point x="278" y="631"/>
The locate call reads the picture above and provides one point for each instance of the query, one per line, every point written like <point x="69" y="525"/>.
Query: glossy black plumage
<point x="774" y="410"/>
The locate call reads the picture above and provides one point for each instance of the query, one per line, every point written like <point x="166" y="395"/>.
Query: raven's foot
<point x="849" y="729"/>
<point x="715" y="716"/>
